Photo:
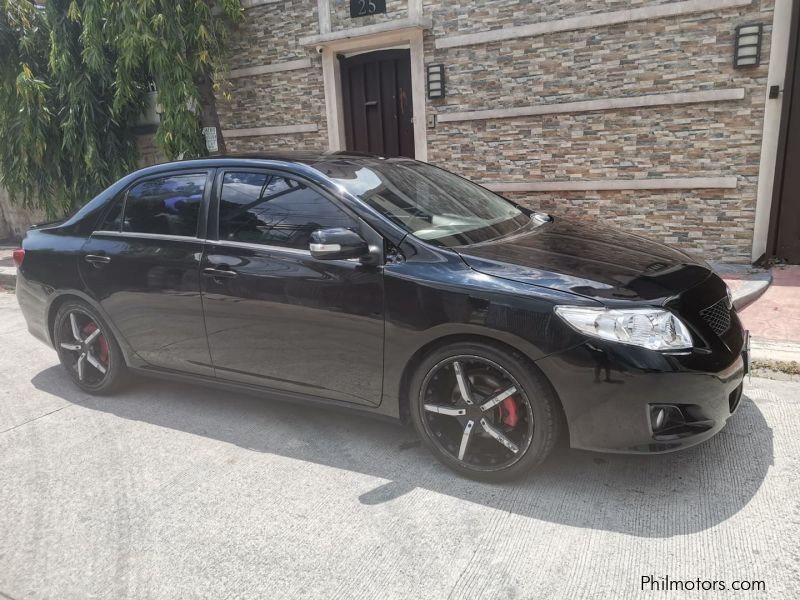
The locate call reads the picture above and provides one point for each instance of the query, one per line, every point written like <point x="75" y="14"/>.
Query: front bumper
<point x="607" y="391"/>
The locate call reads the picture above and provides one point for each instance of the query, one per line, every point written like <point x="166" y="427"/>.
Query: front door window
<point x="274" y="210"/>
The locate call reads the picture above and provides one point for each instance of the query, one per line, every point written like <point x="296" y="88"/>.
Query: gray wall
<point x="14" y="220"/>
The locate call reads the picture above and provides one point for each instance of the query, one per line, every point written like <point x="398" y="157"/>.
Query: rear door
<point x="276" y="317"/>
<point x="142" y="265"/>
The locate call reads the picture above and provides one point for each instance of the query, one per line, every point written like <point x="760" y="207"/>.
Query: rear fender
<point x="57" y="298"/>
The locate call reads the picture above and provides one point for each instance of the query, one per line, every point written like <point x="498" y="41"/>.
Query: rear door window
<point x="168" y="205"/>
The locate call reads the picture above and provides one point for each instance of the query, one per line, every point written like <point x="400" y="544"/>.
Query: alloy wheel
<point x="87" y="351"/>
<point x="477" y="413"/>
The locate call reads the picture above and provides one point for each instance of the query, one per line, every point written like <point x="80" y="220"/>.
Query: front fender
<point x="465" y="304"/>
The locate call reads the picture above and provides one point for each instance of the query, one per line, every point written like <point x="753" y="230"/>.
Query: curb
<point x="774" y="350"/>
<point x="8" y="276"/>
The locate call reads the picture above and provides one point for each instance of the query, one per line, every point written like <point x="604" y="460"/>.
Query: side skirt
<point x="261" y="392"/>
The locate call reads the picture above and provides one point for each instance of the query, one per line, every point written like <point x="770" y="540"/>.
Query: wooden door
<point x="376" y="93"/>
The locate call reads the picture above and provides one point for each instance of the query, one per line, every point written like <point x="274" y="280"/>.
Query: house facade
<point x="631" y="112"/>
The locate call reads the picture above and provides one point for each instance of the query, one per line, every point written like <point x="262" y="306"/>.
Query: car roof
<point x="307" y="157"/>
<point x="316" y="160"/>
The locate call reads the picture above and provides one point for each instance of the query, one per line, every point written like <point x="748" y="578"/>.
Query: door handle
<point x="212" y="272"/>
<point x="97" y="259"/>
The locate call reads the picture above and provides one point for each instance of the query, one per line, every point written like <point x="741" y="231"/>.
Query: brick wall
<point x="269" y="35"/>
<point x="273" y="99"/>
<point x="687" y="53"/>
<point x="708" y="223"/>
<point x="472" y="16"/>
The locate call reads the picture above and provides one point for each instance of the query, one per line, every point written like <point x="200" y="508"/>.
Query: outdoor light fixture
<point x="748" y="46"/>
<point x="436" y="81"/>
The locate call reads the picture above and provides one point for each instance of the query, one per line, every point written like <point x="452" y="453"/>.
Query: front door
<point x="275" y="316"/>
<point x="787" y="238"/>
<point x="143" y="266"/>
<point x="376" y="93"/>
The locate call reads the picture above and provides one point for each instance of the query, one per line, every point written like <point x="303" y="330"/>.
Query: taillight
<point x="19" y="256"/>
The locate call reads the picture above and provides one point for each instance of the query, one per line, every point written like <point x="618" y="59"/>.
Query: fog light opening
<point x="658" y="419"/>
<point x="665" y="416"/>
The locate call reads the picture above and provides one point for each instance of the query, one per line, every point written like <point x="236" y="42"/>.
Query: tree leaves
<point x="74" y="75"/>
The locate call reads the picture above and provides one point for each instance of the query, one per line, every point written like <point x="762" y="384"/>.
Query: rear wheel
<point x="87" y="349"/>
<point x="485" y="412"/>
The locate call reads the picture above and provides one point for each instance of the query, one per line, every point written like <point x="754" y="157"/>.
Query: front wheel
<point x="87" y="349"/>
<point x="485" y="412"/>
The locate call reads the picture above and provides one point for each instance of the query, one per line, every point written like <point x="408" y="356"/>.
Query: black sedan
<point x="397" y="288"/>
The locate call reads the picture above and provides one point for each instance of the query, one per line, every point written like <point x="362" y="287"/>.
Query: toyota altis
<point x="397" y="288"/>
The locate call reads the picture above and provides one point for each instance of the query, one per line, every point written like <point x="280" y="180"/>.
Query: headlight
<point x="650" y="328"/>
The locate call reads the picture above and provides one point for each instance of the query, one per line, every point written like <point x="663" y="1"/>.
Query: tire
<point x="529" y="418"/>
<point x="102" y="348"/>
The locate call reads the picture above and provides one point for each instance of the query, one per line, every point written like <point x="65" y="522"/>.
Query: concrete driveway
<point x="172" y="491"/>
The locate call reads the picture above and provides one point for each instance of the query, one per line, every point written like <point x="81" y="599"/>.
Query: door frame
<point x="211" y="231"/>
<point x="789" y="85"/>
<point x="407" y="37"/>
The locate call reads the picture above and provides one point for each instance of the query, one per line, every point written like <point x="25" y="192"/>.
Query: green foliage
<point x="73" y="79"/>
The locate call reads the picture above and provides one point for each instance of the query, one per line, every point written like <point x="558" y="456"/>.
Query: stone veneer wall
<point x="269" y="35"/>
<point x="14" y="219"/>
<point x="700" y="221"/>
<point x="148" y="150"/>
<point x="686" y="53"/>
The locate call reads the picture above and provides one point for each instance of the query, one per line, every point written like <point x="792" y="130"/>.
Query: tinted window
<point x="274" y="210"/>
<point x="113" y="220"/>
<point x="168" y="205"/>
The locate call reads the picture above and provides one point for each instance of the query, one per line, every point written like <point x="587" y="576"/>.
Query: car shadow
<point x="646" y="496"/>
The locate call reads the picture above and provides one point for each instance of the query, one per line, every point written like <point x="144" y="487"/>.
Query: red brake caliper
<point x="509" y="413"/>
<point x="101" y="342"/>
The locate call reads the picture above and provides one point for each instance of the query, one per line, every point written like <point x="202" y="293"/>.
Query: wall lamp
<point x="436" y="81"/>
<point x="748" y="46"/>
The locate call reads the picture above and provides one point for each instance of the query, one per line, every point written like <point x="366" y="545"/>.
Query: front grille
<point x="718" y="316"/>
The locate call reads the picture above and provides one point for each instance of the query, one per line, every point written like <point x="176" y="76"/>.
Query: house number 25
<point x="366" y="8"/>
<point x="362" y="8"/>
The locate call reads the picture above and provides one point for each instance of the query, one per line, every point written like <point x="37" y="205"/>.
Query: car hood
<point x="592" y="261"/>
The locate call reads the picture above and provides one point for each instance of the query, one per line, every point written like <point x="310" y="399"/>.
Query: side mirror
<point x="337" y="244"/>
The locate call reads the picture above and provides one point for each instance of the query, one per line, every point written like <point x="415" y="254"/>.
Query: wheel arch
<point x="418" y="356"/>
<point x="58" y="300"/>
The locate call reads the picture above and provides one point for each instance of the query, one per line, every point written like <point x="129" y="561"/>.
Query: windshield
<point x="430" y="203"/>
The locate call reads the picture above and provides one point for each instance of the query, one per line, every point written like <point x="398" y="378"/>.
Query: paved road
<point x="171" y="491"/>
